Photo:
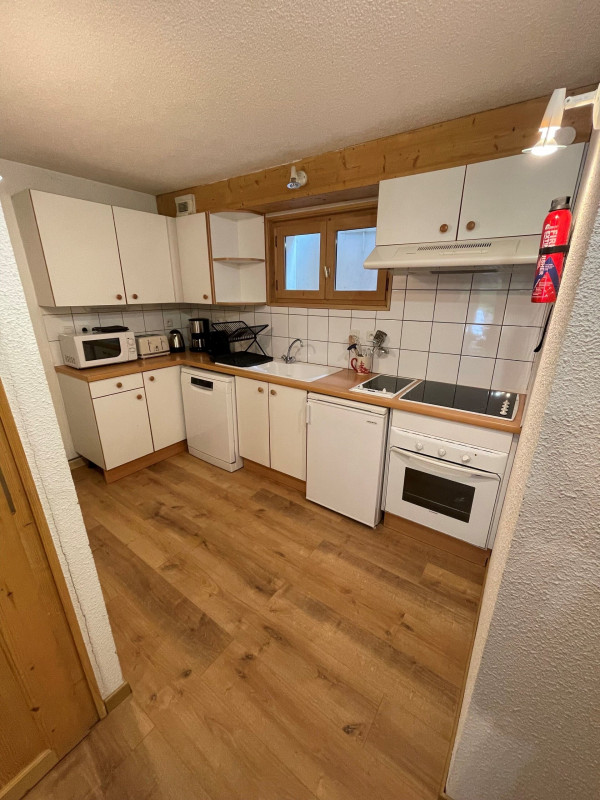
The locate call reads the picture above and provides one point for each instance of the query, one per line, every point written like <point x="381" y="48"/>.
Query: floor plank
<point x="276" y="650"/>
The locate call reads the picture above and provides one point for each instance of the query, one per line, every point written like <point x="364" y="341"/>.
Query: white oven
<point x="97" y="349"/>
<point x="446" y="485"/>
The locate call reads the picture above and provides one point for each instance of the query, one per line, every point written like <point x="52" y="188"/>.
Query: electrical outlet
<point x="370" y="335"/>
<point x="169" y="322"/>
<point x="355" y="333"/>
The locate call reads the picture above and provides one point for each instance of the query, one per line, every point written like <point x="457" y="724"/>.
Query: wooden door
<point x="80" y="249"/>
<point x="420" y="208"/>
<point x="511" y="196"/>
<point x="46" y="702"/>
<point x="123" y="426"/>
<point x="194" y="259"/>
<point x="165" y="406"/>
<point x="252" y="400"/>
<point x="287" y="425"/>
<point x="145" y="256"/>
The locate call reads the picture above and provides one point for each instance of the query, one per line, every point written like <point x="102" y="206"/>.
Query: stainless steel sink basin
<point x="299" y="370"/>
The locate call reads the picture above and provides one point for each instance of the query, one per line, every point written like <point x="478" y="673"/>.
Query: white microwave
<point x="97" y="349"/>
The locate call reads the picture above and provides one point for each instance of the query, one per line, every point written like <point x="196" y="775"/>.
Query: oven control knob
<point x="441" y="452"/>
<point x="419" y="446"/>
<point x="466" y="458"/>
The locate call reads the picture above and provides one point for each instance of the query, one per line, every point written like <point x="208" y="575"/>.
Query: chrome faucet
<point x="287" y="357"/>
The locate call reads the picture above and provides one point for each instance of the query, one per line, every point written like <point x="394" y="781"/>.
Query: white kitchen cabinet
<point x="272" y="425"/>
<point x="420" y="208"/>
<point x="252" y="399"/>
<point x="123" y="426"/>
<point x="194" y="259"/>
<point x="511" y="196"/>
<point x="145" y="256"/>
<point x="71" y="249"/>
<point x="287" y="430"/>
<point x="165" y="405"/>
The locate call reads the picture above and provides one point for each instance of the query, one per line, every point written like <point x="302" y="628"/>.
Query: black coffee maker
<point x="200" y="334"/>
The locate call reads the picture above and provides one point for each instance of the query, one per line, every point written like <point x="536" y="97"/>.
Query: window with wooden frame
<point x="317" y="260"/>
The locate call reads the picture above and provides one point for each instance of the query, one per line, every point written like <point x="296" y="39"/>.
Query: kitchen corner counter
<point x="337" y="385"/>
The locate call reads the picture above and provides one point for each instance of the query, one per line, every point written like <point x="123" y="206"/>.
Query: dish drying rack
<point x="242" y="332"/>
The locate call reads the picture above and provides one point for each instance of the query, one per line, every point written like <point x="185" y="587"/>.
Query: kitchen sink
<point x="299" y="370"/>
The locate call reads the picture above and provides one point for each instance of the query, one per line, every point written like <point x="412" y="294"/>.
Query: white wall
<point x="22" y="374"/>
<point x="17" y="177"/>
<point x="529" y="725"/>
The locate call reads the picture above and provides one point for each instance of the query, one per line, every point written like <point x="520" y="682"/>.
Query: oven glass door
<point x="451" y="498"/>
<point x="100" y="349"/>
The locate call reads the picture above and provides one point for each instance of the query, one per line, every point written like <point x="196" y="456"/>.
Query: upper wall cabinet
<point x="511" y="196"/>
<point x="420" y="208"/>
<point x="145" y="257"/>
<point x="238" y="257"/>
<point x="504" y="197"/>
<point x="194" y="259"/>
<point x="71" y="248"/>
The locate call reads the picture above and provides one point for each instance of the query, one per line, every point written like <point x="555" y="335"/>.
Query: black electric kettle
<point x="176" y="341"/>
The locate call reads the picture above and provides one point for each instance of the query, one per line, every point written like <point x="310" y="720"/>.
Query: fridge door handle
<point x="433" y="465"/>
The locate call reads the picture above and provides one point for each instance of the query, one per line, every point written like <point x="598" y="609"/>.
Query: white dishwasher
<point x="346" y="444"/>
<point x="211" y="417"/>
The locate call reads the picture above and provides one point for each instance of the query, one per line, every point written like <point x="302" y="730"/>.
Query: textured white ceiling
<point x="161" y="94"/>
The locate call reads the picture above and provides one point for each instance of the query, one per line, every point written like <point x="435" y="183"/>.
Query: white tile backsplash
<point x="318" y="328"/>
<point x="442" y="367"/>
<point x="481" y="340"/>
<point x="437" y="327"/>
<point x="416" y="335"/>
<point x="446" y="337"/>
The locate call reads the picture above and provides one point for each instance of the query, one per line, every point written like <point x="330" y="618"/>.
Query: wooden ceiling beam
<point x="354" y="172"/>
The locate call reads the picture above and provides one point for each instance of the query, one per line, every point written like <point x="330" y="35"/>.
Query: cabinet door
<point x="80" y="249"/>
<point x="123" y="426"/>
<point x="194" y="261"/>
<point x="511" y="196"/>
<point x="252" y="400"/>
<point x="420" y="208"/>
<point x="145" y="256"/>
<point x="287" y="425"/>
<point x="165" y="406"/>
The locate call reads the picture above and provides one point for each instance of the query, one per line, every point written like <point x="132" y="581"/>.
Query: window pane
<point x="352" y="247"/>
<point x="302" y="262"/>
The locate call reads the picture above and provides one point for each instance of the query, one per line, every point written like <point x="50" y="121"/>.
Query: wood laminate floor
<point x="276" y="650"/>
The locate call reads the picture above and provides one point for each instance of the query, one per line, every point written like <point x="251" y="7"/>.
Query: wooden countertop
<point x="336" y="385"/>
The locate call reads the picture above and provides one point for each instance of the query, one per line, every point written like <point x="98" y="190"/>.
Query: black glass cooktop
<point x="388" y="384"/>
<point x="466" y="398"/>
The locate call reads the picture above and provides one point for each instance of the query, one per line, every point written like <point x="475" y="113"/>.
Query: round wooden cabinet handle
<point x="273" y="391"/>
<point x="139" y="396"/>
<point x="205" y="297"/>
<point x="119" y="385"/>
<point x="151" y="377"/>
<point x="135" y="297"/>
<point x="119" y="297"/>
<point x="260" y="389"/>
<point x="470" y="225"/>
<point x="444" y="228"/>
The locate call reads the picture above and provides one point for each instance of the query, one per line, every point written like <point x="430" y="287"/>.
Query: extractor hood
<point x="471" y="255"/>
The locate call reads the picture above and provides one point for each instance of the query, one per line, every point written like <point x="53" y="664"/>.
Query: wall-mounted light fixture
<point x="552" y="135"/>
<point x="298" y="178"/>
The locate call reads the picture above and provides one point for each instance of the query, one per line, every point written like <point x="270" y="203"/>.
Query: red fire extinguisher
<point x="554" y="247"/>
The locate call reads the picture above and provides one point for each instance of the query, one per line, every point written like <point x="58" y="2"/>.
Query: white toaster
<point x="152" y="344"/>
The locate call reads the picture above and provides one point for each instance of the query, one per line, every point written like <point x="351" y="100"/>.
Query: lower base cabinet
<point x="272" y="425"/>
<point x="118" y="420"/>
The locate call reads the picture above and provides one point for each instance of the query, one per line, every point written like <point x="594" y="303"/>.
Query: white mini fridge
<point x="346" y="446"/>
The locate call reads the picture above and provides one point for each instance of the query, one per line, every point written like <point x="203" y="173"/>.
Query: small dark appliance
<point x="200" y="334"/>
<point x="176" y="341"/>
